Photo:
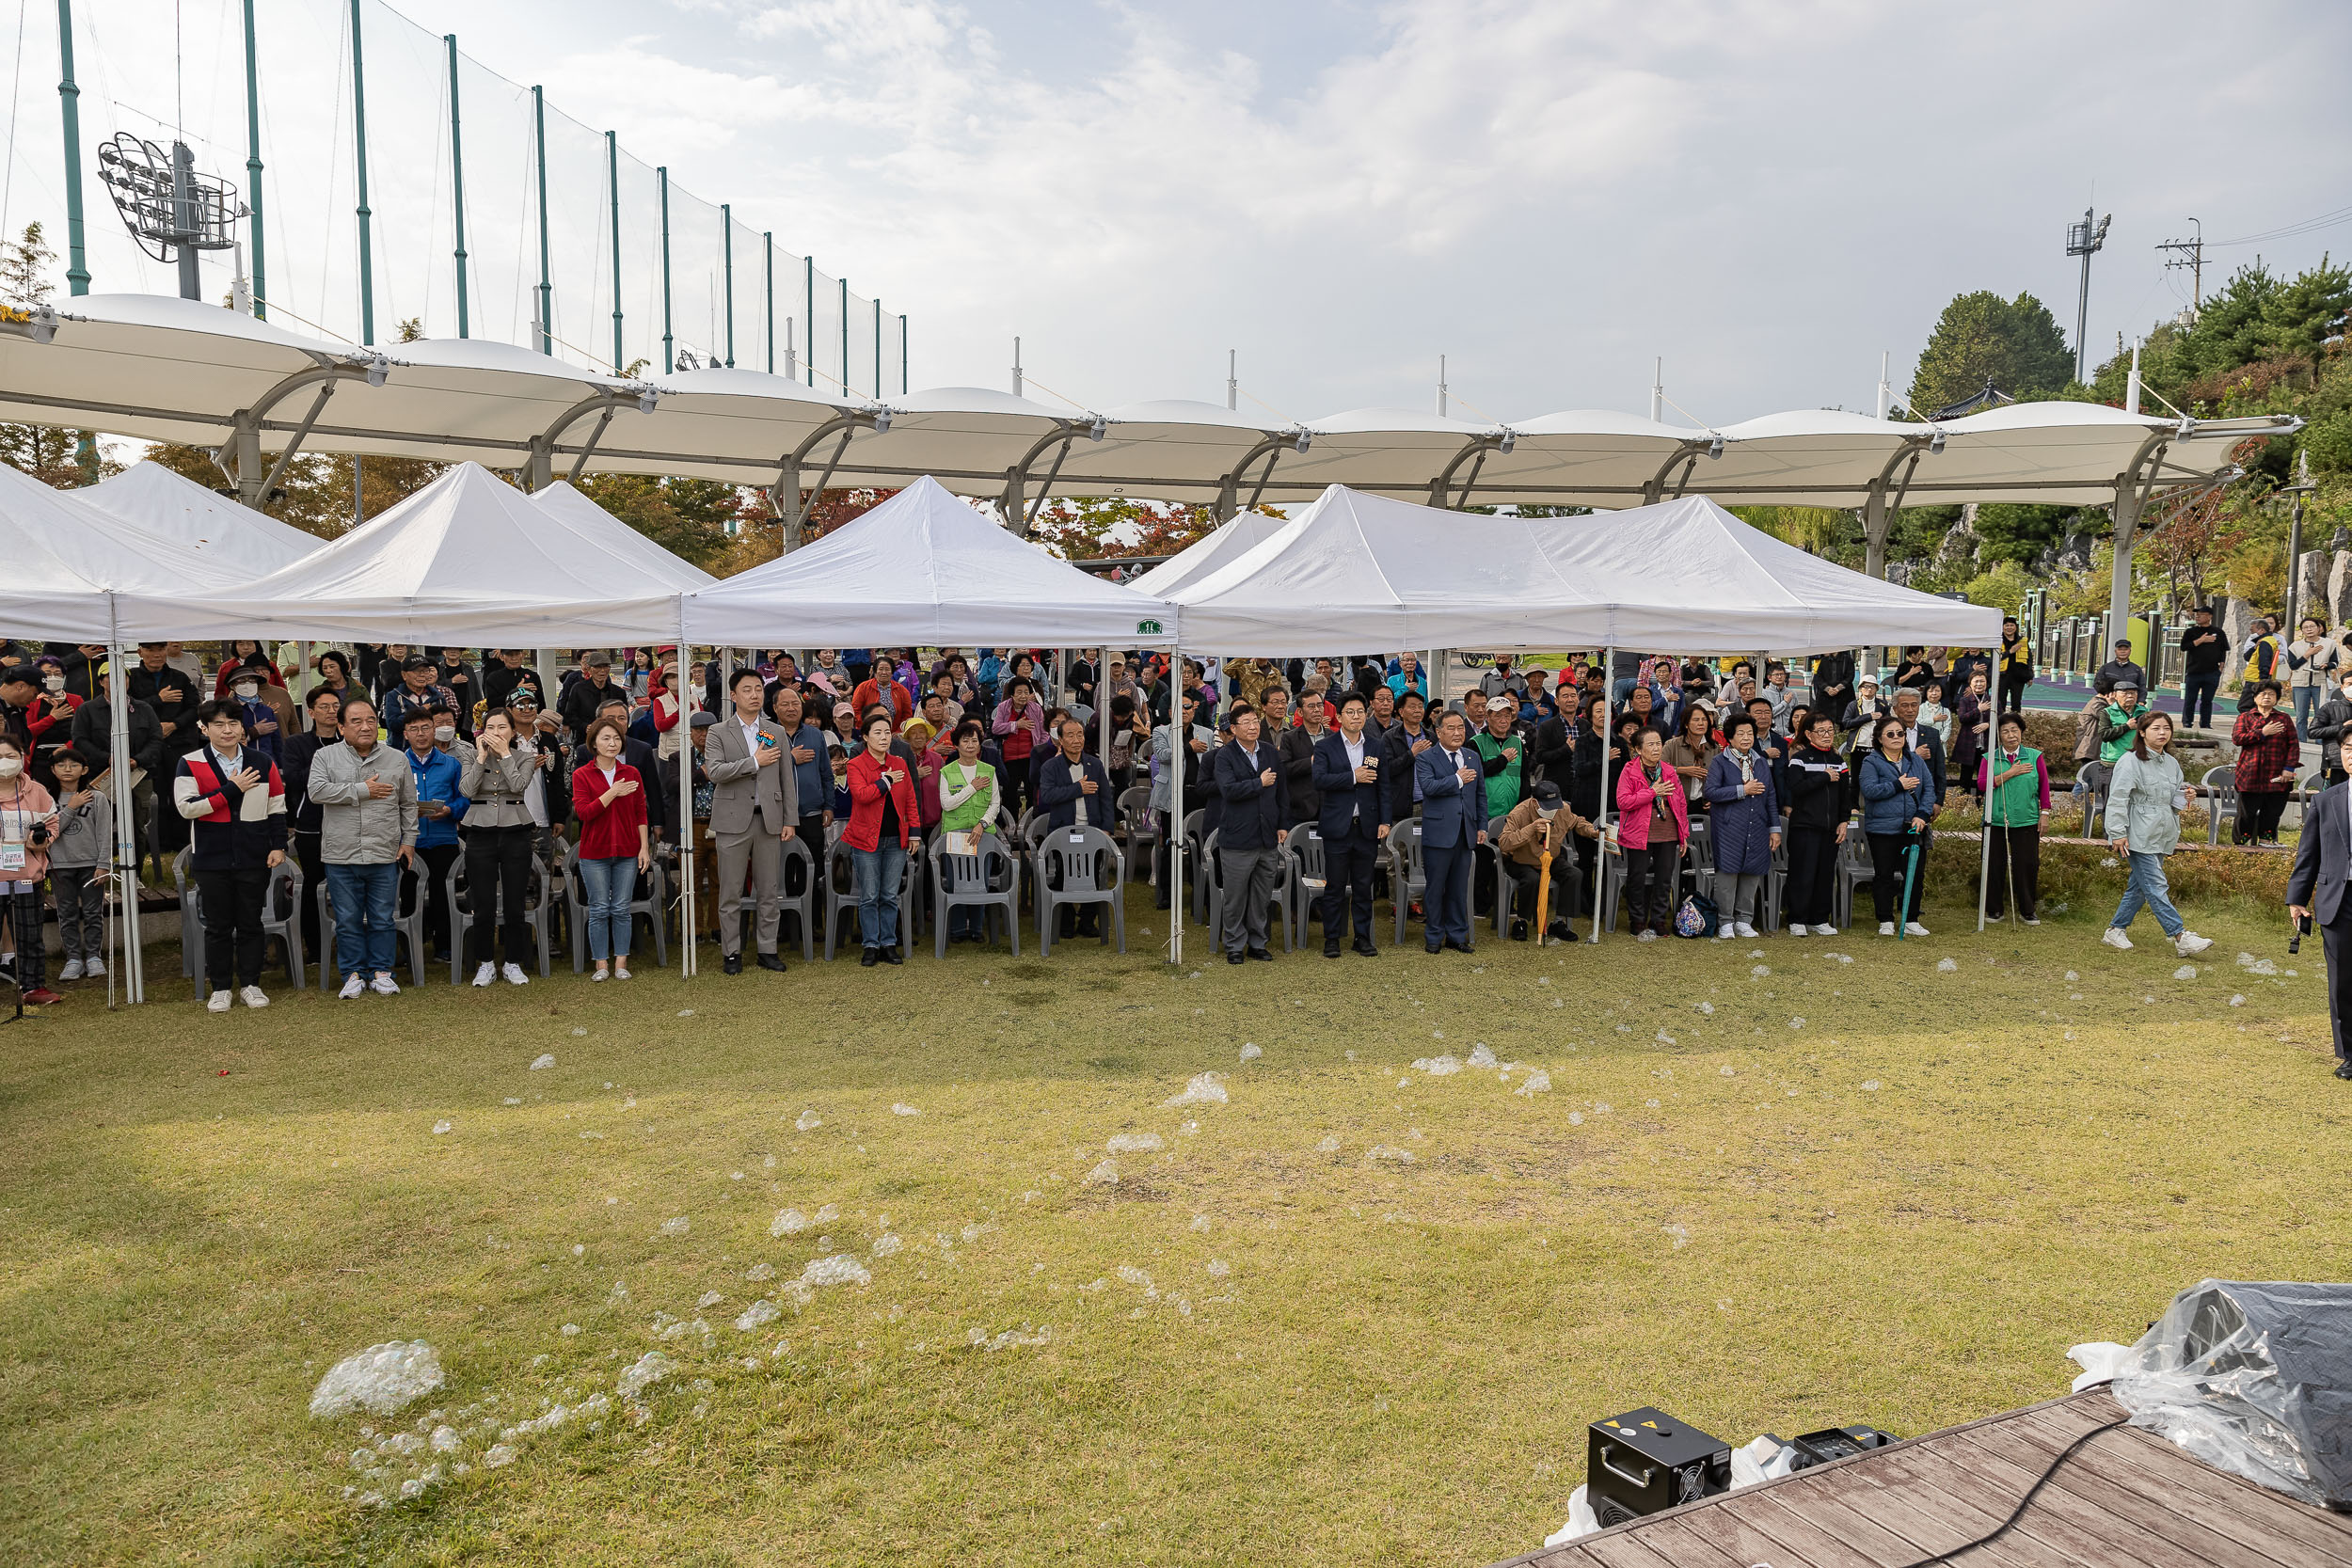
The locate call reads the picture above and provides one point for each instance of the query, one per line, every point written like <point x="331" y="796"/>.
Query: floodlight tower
<point x="169" y="208"/>
<point x="2083" y="239"/>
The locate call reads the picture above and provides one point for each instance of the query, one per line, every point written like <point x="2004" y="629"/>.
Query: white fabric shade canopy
<point x="1361" y="570"/>
<point x="604" y="534"/>
<point x="242" y="542"/>
<point x="52" y="591"/>
<point x="1235" y="538"/>
<point x="924" y="568"/>
<point x="467" y="561"/>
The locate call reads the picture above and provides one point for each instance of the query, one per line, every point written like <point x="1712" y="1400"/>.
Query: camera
<point x="36" y="836"/>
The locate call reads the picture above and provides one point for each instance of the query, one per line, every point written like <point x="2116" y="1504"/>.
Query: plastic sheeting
<point x="2254" y="1379"/>
<point x="925" y="567"/>
<point x="1357" y="570"/>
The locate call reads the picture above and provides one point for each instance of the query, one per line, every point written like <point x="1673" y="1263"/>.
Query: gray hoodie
<point x="355" y="829"/>
<point x="85" y="833"/>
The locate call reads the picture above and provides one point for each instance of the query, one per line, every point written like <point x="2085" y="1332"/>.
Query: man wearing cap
<point x="509" y="673"/>
<point x="1537" y="831"/>
<point x="754" y="808"/>
<point x="1352" y="815"/>
<point x="590" y="693"/>
<point x="417" y="693"/>
<point x="2119" y="670"/>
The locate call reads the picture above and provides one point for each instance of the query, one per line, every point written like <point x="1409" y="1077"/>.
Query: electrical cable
<point x="2022" y="1503"/>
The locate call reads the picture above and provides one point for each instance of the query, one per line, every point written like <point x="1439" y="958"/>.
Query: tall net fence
<point x="564" y="239"/>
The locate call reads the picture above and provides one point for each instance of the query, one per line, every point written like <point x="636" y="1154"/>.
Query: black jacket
<point x="301" y="751"/>
<point x="178" y="709"/>
<point x="2327" y="732"/>
<point x="1298" y="749"/>
<point x="1817" y="800"/>
<point x="1254" y="811"/>
<point x="2323" y="855"/>
<point x="1396" y="769"/>
<point x="92" y="727"/>
<point x="1833" y="681"/>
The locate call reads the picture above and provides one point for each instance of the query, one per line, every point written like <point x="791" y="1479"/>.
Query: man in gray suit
<point x="755" y="807"/>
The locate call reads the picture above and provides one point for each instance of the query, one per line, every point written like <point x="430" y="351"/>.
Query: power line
<point x="2192" y="257"/>
<point x="2325" y="220"/>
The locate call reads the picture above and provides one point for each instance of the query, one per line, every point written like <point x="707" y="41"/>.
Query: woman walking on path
<point x="2146" y="799"/>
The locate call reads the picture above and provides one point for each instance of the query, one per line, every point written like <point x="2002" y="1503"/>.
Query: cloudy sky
<point x="1766" y="194"/>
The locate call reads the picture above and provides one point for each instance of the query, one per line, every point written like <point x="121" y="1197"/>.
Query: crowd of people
<point x="381" y="771"/>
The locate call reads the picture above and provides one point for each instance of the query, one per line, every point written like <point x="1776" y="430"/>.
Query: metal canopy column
<point x="547" y="281"/>
<point x="2133" y="487"/>
<point x="253" y="167"/>
<point x="457" y="182"/>
<point x="359" y="149"/>
<point x="69" y="101"/>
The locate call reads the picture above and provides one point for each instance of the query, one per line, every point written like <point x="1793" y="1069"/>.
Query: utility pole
<point x="669" y="359"/>
<point x="2084" y="239"/>
<point x="2301" y="488"/>
<point x="1442" y="386"/>
<point x="1016" y="367"/>
<point x="1886" y="392"/>
<point x="2192" y="256"/>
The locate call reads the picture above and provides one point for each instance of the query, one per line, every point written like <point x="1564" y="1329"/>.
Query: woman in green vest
<point x="969" y="802"/>
<point x="2015" y="783"/>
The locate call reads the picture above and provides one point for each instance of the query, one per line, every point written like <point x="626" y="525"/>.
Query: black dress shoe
<point x="2344" y="1070"/>
<point x="1232" y="958"/>
<point x="1261" y="955"/>
<point x="1331" y="949"/>
<point x="1367" y="949"/>
<point x="1519" y="930"/>
<point x="1560" y="930"/>
<point x="1461" y="946"/>
<point x="732" y="964"/>
<point x="890" y="956"/>
<point x="770" y="962"/>
<point x="1436" y="948"/>
<point x="870" y="958"/>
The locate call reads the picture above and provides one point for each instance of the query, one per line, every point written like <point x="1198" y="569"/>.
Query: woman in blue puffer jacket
<point x="1898" y="798"/>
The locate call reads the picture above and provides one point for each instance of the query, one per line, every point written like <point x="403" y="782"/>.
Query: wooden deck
<point x="2125" y="1497"/>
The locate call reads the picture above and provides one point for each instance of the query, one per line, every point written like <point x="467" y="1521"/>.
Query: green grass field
<point x="1358" y="1312"/>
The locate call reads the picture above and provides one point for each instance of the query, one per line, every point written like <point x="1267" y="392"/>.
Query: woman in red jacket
<point x="883" y="821"/>
<point x="609" y="798"/>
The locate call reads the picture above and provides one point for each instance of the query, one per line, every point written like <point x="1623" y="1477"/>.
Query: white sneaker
<point x="485" y="972"/>
<point x="219" y="1003"/>
<point x="353" y="986"/>
<point x="1645" y="934"/>
<point x="2189" y="944"/>
<point x="1824" y="930"/>
<point x="2031" y="921"/>
<point x="620" y="972"/>
<point x="94" y="968"/>
<point x="384" y="985"/>
<point x="1747" y="930"/>
<point x="1796" y="930"/>
<point x="1912" y="927"/>
<point x="601" y="974"/>
<point x="2113" y="936"/>
<point x="251" y="996"/>
<point x="1886" y="927"/>
<point x="1725" y="932"/>
<point x="72" y="970"/>
<point x="514" y="975"/>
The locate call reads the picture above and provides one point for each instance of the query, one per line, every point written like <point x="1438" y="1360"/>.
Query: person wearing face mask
<point x="246" y="658"/>
<point x="263" y="732"/>
<point x="49" y="721"/>
<point x="440" y="806"/>
<point x="1537" y="831"/>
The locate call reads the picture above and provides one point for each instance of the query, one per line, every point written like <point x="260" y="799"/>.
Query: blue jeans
<point x="364" y="897"/>
<point x="2306" y="698"/>
<point x="876" y="873"/>
<point x="610" y="884"/>
<point x="2148" y="887"/>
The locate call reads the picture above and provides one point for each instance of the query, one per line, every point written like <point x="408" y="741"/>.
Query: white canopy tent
<point x="607" y="536"/>
<point x="243" y="543"/>
<point x="924" y="568"/>
<point x="468" y="559"/>
<point x="1355" y="570"/>
<point x="1235" y="538"/>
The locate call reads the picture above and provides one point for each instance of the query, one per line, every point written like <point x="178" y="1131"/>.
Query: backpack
<point x="1696" y="918"/>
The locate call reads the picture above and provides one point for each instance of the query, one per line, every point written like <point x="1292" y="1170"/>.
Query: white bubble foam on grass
<point x="904" y="1110"/>
<point x="759" y="1312"/>
<point x="1204" y="1088"/>
<point x="380" y="1380"/>
<point x="1539" y="1082"/>
<point x="676" y="1225"/>
<point x="1390" y="1154"/>
<point x="1105" y="1174"/>
<point x="808" y="1121"/>
<point x="1438" y="1067"/>
<point x="648" y="1369"/>
<point x="788" y="1222"/>
<point x="1136" y="1143"/>
<point x="440" y="1128"/>
<point x="1250" y="1051"/>
<point x="544" y="1062"/>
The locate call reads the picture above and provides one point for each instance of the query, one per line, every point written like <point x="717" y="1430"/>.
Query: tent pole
<point x="1608" y="727"/>
<point x="126" y="820"/>
<point x="1172" y="831"/>
<point x="1993" y="739"/>
<point x="685" y="695"/>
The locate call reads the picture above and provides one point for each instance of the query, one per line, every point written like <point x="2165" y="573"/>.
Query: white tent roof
<point x="45" y="596"/>
<point x="1235" y="538"/>
<point x="924" y="568"/>
<point x="1357" y="570"/>
<point x="604" y="533"/>
<point x="468" y="560"/>
<point x="242" y="541"/>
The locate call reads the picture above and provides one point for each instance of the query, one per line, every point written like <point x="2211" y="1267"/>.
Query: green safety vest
<point x="2018" y="802"/>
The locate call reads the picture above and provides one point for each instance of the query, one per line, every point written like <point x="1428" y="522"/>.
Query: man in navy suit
<point x="2323" y="863"/>
<point x="1353" y="819"/>
<point x="1453" y="822"/>
<point x="1249" y="834"/>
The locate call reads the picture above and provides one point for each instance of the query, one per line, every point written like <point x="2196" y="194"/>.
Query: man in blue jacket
<point x="1353" y="820"/>
<point x="1453" y="822"/>
<point x="440" y="806"/>
<point x="1256" y="801"/>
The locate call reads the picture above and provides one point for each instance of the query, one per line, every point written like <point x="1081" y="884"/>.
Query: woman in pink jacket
<point x="1653" y="829"/>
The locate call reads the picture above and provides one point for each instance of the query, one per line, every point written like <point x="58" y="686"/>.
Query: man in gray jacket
<point x="367" y="800"/>
<point x="755" y="807"/>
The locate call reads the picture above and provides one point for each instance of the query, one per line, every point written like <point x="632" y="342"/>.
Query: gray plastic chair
<point x="1306" y="878"/>
<point x="1137" y="835"/>
<point x="2219" y="788"/>
<point x="1200" y="858"/>
<point x="1076" y="859"/>
<point x="1409" y="876"/>
<point x="977" y="885"/>
<point x="841" y="893"/>
<point x="807" y="903"/>
<point x="1854" y="870"/>
<point x="1212" y="884"/>
<point x="646" y="902"/>
<point x="462" y="916"/>
<point x="1489" y="854"/>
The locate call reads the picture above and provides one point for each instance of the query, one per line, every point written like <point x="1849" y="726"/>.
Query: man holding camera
<point x="2316" y="889"/>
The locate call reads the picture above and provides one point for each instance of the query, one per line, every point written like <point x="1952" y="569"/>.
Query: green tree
<point x="2019" y="534"/>
<point x="694" y="519"/>
<point x="2016" y="342"/>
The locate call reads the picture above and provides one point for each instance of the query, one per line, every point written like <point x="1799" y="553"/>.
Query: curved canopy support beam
<point x="244" y="439"/>
<point x="1687" y="455"/>
<point x="785" y="495"/>
<point x="1441" y="488"/>
<point x="1269" y="448"/>
<point x="2133" y="487"/>
<point x="1019" y="514"/>
<point x="539" y="469"/>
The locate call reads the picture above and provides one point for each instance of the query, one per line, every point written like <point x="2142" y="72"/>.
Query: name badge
<point x="11" y="857"/>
